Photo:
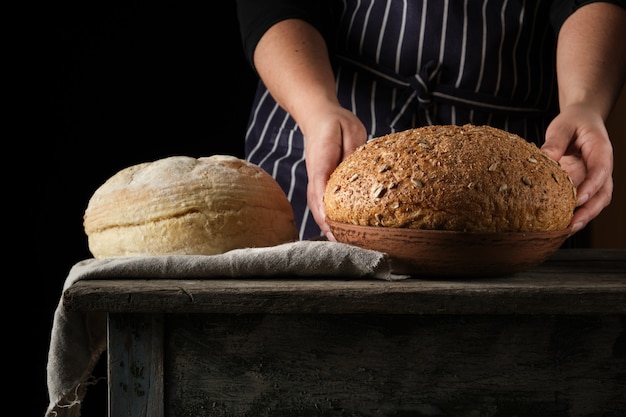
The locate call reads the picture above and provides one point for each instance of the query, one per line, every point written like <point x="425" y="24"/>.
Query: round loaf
<point x="462" y="178"/>
<point x="187" y="206"/>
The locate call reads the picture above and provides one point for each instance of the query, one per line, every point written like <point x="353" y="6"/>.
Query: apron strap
<point x="421" y="91"/>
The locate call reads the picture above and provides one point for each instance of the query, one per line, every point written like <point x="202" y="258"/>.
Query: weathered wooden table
<point x="550" y="341"/>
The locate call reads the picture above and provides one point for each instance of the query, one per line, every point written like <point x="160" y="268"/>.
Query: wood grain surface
<point x="316" y="365"/>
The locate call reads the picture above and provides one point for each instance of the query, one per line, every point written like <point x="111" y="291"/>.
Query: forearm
<point x="591" y="58"/>
<point x="292" y="60"/>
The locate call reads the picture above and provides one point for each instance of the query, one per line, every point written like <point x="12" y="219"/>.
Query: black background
<point x="102" y="86"/>
<point x="113" y="84"/>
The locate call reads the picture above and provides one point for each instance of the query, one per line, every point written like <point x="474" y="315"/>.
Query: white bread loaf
<point x="187" y="206"/>
<point x="462" y="178"/>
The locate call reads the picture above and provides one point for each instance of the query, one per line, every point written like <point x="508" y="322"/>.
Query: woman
<point x="336" y="74"/>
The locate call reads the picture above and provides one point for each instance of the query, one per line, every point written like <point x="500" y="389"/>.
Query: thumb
<point x="557" y="140"/>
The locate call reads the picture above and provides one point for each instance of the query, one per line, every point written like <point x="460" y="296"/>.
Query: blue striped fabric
<point x="406" y="63"/>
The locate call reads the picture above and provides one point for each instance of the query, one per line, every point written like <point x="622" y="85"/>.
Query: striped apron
<point x="407" y="63"/>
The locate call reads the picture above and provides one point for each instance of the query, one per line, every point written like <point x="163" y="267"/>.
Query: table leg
<point x="135" y="370"/>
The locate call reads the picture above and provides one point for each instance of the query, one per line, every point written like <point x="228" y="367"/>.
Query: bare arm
<point x="292" y="60"/>
<point x="591" y="69"/>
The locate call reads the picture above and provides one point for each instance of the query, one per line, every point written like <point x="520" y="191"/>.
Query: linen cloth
<point x="79" y="339"/>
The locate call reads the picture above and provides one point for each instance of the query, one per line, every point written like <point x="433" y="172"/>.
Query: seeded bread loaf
<point x="187" y="206"/>
<point x="462" y="178"/>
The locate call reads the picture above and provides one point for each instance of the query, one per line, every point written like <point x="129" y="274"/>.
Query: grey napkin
<point x="79" y="339"/>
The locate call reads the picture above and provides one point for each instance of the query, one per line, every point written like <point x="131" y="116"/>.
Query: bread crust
<point x="186" y="205"/>
<point x="463" y="178"/>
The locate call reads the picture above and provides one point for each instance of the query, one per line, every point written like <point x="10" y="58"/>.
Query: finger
<point x="354" y="135"/>
<point x="321" y="160"/>
<point x="598" y="156"/>
<point x="315" y="195"/>
<point x="592" y="208"/>
<point x="559" y="135"/>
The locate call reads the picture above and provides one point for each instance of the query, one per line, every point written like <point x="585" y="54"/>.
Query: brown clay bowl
<point x="441" y="253"/>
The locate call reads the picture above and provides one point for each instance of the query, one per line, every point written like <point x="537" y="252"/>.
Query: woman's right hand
<point x="331" y="133"/>
<point x="292" y="60"/>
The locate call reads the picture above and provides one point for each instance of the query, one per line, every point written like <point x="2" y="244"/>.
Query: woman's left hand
<point x="577" y="138"/>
